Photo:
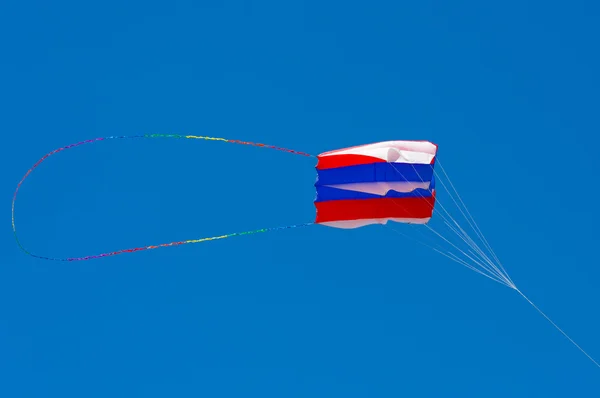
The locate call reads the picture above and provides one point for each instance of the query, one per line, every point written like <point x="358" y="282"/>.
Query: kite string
<point x="463" y="234"/>
<point x="454" y="257"/>
<point x="141" y="136"/>
<point x="465" y="238"/>
<point x="498" y="266"/>
<point x="476" y="227"/>
<point x="479" y="233"/>
<point x="557" y="328"/>
<point x="506" y="279"/>
<point x="451" y="256"/>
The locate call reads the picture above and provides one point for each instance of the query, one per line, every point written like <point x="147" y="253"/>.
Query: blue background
<point x="509" y="90"/>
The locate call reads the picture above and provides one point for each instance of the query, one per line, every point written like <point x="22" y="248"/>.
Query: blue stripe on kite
<point x="375" y="172"/>
<point x="325" y="194"/>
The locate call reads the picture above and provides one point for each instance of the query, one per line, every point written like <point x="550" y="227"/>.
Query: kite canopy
<point x="376" y="183"/>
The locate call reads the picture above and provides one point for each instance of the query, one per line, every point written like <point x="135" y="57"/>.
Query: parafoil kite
<point x="359" y="186"/>
<point x="376" y="183"/>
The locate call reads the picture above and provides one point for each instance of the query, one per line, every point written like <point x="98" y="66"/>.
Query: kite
<point x="376" y="183"/>
<point x="373" y="184"/>
<point x="358" y="186"/>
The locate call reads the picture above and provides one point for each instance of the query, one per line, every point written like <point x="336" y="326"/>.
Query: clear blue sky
<point x="509" y="90"/>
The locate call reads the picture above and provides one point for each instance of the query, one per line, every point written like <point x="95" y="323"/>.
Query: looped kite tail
<point x="150" y="247"/>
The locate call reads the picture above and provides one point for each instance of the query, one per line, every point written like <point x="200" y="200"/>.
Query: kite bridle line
<point x="497" y="271"/>
<point x="149" y="247"/>
<point x="477" y="257"/>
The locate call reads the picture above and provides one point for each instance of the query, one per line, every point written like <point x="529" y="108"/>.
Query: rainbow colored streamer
<point x="150" y="247"/>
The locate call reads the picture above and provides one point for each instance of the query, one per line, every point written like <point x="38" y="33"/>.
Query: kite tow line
<point x="557" y="328"/>
<point x="149" y="247"/>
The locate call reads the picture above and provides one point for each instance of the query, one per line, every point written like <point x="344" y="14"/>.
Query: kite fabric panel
<point x="376" y="183"/>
